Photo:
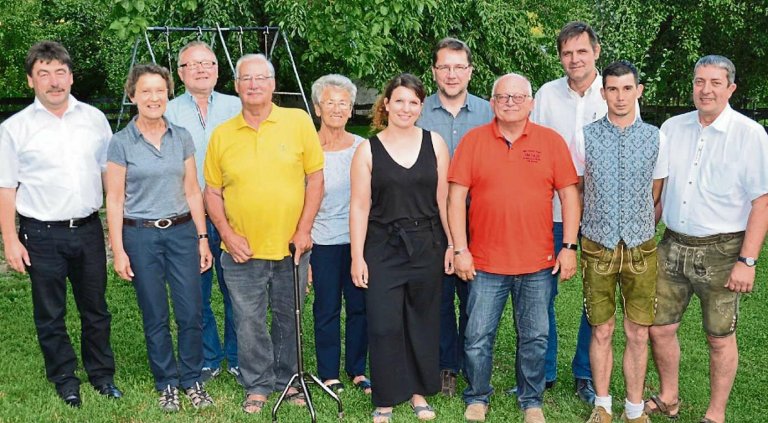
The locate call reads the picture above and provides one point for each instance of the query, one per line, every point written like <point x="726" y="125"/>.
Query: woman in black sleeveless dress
<point x="400" y="251"/>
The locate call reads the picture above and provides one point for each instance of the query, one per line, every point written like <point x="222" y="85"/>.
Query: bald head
<point x="517" y="79"/>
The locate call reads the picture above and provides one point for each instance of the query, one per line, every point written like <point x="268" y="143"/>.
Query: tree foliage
<point x="372" y="40"/>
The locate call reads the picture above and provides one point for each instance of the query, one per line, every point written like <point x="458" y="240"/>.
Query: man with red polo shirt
<point x="511" y="168"/>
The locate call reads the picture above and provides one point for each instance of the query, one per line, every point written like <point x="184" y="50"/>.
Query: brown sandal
<point x="662" y="407"/>
<point x="249" y="405"/>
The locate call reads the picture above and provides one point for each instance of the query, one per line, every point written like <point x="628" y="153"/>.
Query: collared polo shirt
<point x="261" y="173"/>
<point x="512" y="185"/>
<point x="714" y="172"/>
<point x="183" y="111"/>
<point x="559" y="107"/>
<point x="55" y="163"/>
<point x="619" y="167"/>
<point x="434" y="117"/>
<point x="154" y="178"/>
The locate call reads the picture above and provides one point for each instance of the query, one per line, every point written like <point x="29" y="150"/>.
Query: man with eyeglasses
<point x="451" y="112"/>
<point x="566" y="105"/>
<point x="53" y="155"/>
<point x="200" y="110"/>
<point x="511" y="168"/>
<point x="264" y="185"/>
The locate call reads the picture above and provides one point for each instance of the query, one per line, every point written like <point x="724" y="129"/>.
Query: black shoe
<point x="109" y="390"/>
<point x="585" y="391"/>
<point x="549" y="384"/>
<point x="71" y="398"/>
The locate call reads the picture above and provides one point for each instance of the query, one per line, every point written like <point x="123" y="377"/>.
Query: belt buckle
<point x="72" y="224"/>
<point x="163" y="223"/>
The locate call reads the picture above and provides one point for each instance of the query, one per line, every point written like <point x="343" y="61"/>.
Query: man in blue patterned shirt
<point x="200" y="110"/>
<point x="622" y="162"/>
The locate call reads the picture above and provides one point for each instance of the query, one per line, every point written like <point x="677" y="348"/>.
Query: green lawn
<point x="25" y="395"/>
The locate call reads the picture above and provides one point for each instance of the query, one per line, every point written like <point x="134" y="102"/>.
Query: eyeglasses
<point x="333" y="104"/>
<point x="205" y="64"/>
<point x="255" y="78"/>
<point x="446" y="69"/>
<point x="516" y="98"/>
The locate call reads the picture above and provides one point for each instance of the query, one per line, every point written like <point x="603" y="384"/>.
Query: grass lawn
<point x="25" y="394"/>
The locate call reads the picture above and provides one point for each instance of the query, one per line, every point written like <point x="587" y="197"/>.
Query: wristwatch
<point x="749" y="261"/>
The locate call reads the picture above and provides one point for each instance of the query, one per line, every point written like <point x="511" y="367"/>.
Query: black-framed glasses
<point x="516" y="98"/>
<point x="205" y="64"/>
<point x="446" y="69"/>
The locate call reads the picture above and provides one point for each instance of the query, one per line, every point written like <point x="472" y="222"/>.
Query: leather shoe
<point x="72" y="399"/>
<point x="585" y="391"/>
<point x="109" y="390"/>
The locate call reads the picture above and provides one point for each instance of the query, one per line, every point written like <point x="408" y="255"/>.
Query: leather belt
<point x="71" y="223"/>
<point x="163" y="223"/>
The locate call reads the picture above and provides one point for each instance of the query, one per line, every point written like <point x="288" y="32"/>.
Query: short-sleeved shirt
<point x="331" y="226"/>
<point x="714" y="172"/>
<point x="55" y="163"/>
<point x="154" y="178"/>
<point x="261" y="173"/>
<point x="566" y="111"/>
<point x="619" y="166"/>
<point x="183" y="111"/>
<point x="434" y="117"/>
<point x="512" y="185"/>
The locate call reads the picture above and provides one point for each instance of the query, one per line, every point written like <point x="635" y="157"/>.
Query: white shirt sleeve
<point x="578" y="154"/>
<point x="9" y="161"/>
<point x="755" y="182"/>
<point x="661" y="170"/>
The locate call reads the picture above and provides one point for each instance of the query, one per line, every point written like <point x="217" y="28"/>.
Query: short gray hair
<point x="527" y="82"/>
<point x="336" y="81"/>
<point x="721" y="62"/>
<point x="254" y="57"/>
<point x="192" y="44"/>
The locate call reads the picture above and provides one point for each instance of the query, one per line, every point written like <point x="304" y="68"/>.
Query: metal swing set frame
<point x="218" y="33"/>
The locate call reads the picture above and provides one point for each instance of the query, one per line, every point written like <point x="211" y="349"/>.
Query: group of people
<point x="454" y="196"/>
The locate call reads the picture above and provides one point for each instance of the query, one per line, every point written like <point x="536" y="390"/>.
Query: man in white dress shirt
<point x="715" y="207"/>
<point x="566" y="105"/>
<point x="52" y="157"/>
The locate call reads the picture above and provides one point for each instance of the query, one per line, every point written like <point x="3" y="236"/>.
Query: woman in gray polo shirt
<point x="157" y="233"/>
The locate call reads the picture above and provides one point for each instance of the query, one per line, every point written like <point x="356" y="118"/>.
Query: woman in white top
<point x="333" y="97"/>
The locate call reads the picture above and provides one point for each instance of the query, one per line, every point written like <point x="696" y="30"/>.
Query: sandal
<point x="364" y="384"/>
<point x="252" y="405"/>
<point x="426" y="409"/>
<point x="661" y="407"/>
<point x="707" y="420"/>
<point x="296" y="398"/>
<point x="381" y="416"/>
<point x="335" y="385"/>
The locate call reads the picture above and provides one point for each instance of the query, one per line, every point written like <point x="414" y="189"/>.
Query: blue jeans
<point x="330" y="269"/>
<point x="580" y="364"/>
<point x="212" y="348"/>
<point x="267" y="357"/>
<point x="451" y="334"/>
<point x="157" y="256"/>
<point x="487" y="297"/>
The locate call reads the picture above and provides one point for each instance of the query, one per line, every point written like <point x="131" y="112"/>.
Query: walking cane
<point x="300" y="374"/>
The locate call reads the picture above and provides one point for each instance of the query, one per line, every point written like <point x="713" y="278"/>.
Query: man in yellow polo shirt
<point x="264" y="184"/>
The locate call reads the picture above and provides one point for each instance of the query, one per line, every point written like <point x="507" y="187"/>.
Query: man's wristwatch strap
<point x="749" y="261"/>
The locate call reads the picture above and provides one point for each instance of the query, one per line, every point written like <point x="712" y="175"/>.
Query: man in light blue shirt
<point x="451" y="112"/>
<point x="200" y="110"/>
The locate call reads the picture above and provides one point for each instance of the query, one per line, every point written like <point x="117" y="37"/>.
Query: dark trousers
<point x="330" y="271"/>
<point x="57" y="253"/>
<point x="172" y="255"/>
<point x="403" y="306"/>
<point x="213" y="350"/>
<point x="451" y="333"/>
